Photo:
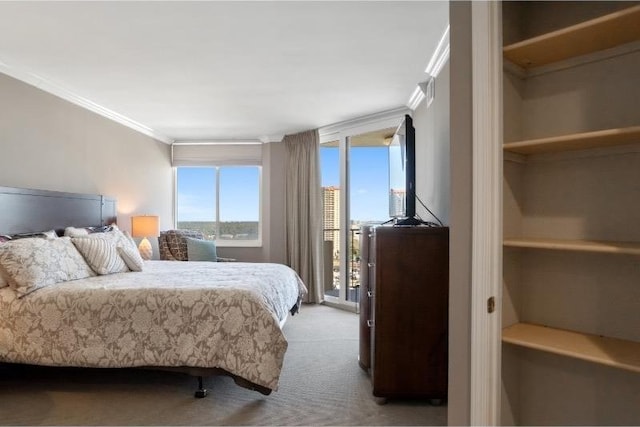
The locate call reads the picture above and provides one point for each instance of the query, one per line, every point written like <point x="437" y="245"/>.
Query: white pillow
<point x="101" y="254"/>
<point x="117" y="236"/>
<point x="76" y="232"/>
<point x="50" y="234"/>
<point x="128" y="236"/>
<point x="33" y="263"/>
<point x="131" y="257"/>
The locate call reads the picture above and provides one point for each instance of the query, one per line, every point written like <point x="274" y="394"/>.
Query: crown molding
<point x="59" y="91"/>
<point x="217" y="142"/>
<point x="416" y="98"/>
<point x="436" y="63"/>
<point x="388" y="118"/>
<point x="49" y="86"/>
<point x="440" y="55"/>
<point x="271" y="138"/>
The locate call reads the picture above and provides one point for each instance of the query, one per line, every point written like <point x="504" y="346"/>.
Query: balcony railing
<point x="332" y="282"/>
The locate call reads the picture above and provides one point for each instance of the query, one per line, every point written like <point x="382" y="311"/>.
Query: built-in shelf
<point x="591" y="36"/>
<point x="613" y="352"/>
<point x="576" y="141"/>
<point x="623" y="248"/>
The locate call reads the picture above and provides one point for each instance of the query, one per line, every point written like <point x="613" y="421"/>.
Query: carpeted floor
<point x="321" y="384"/>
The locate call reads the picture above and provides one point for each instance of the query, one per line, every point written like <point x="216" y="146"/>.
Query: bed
<point x="202" y="318"/>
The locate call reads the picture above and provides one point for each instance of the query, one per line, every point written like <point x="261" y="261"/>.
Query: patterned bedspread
<point x="195" y="314"/>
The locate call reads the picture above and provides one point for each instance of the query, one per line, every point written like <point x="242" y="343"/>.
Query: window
<point x="222" y="202"/>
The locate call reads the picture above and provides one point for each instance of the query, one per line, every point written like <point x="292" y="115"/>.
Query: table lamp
<point x="145" y="226"/>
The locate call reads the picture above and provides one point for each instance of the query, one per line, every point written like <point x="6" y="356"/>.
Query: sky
<point x="239" y="194"/>
<point x="369" y="180"/>
<point x="239" y="187"/>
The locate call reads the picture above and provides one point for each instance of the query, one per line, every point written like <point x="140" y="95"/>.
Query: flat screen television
<point x="402" y="174"/>
<point x="397" y="176"/>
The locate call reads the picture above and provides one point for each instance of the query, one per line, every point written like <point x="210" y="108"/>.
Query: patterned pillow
<point x="101" y="254"/>
<point x="33" y="263"/>
<point x="177" y="242"/>
<point x="102" y="228"/>
<point x="5" y="238"/>
<point x="131" y="257"/>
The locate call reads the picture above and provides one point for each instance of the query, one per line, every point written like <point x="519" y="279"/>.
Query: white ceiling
<point x="225" y="70"/>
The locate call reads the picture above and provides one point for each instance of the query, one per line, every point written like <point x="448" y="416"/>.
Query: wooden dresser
<point x="404" y="310"/>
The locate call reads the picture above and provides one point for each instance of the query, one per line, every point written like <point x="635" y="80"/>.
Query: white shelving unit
<point x="604" y="247"/>
<point x="576" y="141"/>
<point x="584" y="38"/>
<point x="546" y="191"/>
<point x="617" y="353"/>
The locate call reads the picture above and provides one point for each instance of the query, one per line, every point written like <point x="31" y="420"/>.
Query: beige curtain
<point x="303" y="211"/>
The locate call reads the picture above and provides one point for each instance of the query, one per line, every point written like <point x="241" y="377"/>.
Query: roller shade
<point x="216" y="154"/>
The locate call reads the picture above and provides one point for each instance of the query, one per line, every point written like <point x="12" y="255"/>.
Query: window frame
<point x="224" y="242"/>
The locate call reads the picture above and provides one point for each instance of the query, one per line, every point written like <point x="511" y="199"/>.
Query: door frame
<point x="486" y="266"/>
<point x="342" y="132"/>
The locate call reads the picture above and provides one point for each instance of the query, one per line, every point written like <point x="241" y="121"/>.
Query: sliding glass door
<point x="355" y="188"/>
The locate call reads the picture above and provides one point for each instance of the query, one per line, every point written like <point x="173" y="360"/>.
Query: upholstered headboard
<point x="29" y="211"/>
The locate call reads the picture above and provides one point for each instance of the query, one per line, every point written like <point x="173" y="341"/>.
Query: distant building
<point x="331" y="216"/>
<point x="397" y="202"/>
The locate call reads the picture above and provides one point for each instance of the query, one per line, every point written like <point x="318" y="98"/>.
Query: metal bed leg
<point x="201" y="392"/>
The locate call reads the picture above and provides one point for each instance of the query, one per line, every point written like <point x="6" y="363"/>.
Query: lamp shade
<point x="145" y="226"/>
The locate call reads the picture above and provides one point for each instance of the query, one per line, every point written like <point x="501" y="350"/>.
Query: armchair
<point x="173" y="245"/>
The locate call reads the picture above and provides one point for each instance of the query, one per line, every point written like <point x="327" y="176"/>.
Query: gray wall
<point x="51" y="144"/>
<point x="461" y="215"/>
<point x="443" y="182"/>
<point x="432" y="152"/>
<point x="274" y="241"/>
